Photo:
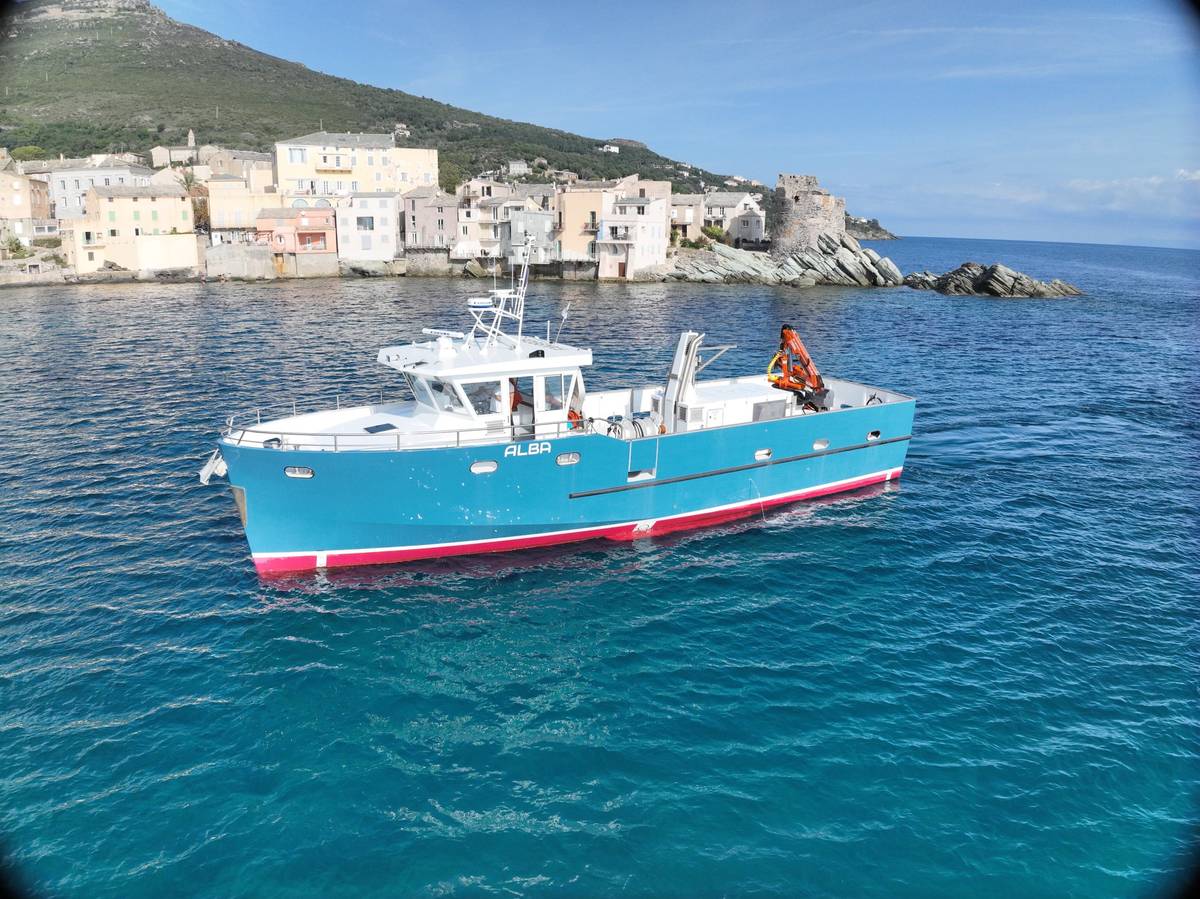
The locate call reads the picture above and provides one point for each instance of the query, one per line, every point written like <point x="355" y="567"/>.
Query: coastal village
<point x="354" y="204"/>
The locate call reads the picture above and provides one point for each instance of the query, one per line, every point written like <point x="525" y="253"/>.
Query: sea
<point x="980" y="681"/>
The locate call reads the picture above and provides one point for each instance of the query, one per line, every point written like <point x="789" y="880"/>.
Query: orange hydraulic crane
<point x="793" y="369"/>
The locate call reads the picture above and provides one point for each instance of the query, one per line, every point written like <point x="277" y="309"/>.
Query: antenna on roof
<point x="565" y="312"/>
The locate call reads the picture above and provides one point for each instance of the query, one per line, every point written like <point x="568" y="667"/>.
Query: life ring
<point x="574" y="419"/>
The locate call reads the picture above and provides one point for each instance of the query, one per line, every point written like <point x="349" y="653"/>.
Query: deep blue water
<point x="980" y="682"/>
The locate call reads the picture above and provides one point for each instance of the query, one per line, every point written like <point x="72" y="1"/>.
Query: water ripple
<point x="982" y="678"/>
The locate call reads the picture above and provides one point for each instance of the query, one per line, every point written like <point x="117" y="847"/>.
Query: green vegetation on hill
<point x="86" y="76"/>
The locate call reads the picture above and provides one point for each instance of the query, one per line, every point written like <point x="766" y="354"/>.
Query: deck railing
<point x="246" y="427"/>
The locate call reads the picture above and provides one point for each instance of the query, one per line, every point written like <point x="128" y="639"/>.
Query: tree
<point x="29" y="151"/>
<point x="450" y="176"/>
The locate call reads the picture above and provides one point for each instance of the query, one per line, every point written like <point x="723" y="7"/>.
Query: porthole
<point x="874" y="435"/>
<point x="762" y="455"/>
<point x="298" y="471"/>
<point x="567" y="458"/>
<point x="485" y="466"/>
<point x="821" y="444"/>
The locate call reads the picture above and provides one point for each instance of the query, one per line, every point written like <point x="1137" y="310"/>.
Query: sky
<point x="1075" y="121"/>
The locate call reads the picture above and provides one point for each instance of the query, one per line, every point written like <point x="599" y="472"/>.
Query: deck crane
<point x="792" y="369"/>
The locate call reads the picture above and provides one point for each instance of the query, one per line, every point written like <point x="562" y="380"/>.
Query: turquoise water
<point x="979" y="682"/>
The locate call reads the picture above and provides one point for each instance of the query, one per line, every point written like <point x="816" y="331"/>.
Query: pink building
<point x="289" y="230"/>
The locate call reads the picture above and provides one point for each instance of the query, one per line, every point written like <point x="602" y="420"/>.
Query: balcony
<point x="617" y="235"/>
<point x="591" y="227"/>
<point x="343" y="168"/>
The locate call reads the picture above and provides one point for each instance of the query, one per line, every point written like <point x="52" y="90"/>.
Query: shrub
<point x="49" y="243"/>
<point x="16" y="249"/>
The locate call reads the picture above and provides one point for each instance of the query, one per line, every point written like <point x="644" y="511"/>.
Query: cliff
<point x="867" y="229"/>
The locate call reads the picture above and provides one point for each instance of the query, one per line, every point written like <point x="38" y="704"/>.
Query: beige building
<point x="23" y="197"/>
<point x="234" y="204"/>
<point x="687" y="215"/>
<point x="146" y="228"/>
<point x="258" y="168"/>
<point x="325" y="165"/>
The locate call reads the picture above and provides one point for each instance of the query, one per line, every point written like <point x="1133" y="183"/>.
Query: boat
<point x="492" y="442"/>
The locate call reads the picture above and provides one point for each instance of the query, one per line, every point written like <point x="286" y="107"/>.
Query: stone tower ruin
<point x="806" y="211"/>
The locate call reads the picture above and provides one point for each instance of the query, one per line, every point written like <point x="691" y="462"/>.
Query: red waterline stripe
<point x="627" y="531"/>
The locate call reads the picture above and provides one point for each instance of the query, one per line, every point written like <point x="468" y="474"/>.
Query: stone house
<point x="142" y="229"/>
<point x="163" y="156"/>
<point x="737" y="213"/>
<point x="248" y="164"/>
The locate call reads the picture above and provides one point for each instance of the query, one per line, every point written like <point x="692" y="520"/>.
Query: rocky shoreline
<point x="834" y="261"/>
<point x="995" y="280"/>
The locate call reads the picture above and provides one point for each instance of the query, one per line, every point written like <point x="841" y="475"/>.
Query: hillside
<point x="84" y="76"/>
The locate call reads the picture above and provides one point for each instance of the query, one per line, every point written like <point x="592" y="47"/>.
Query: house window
<point x="379" y="176"/>
<point x="112" y="213"/>
<point x="354" y="185"/>
<point x="77" y="184"/>
<point x="62" y="185"/>
<point x="370" y="160"/>
<point x="107" y="182"/>
<point x="365" y="241"/>
<point x="641" y="210"/>
<point x="365" y="223"/>
<point x="91" y="256"/>
<point x="137" y="216"/>
<point x="464" y="230"/>
<point x="112" y="232"/>
<point x="404" y="176"/>
<point x="183" y="215"/>
<point x="154" y="215"/>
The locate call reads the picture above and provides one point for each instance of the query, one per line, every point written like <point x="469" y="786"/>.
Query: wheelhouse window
<point x="445" y="397"/>
<point x="420" y="391"/>
<point x="484" y="396"/>
<point x="558" y="387"/>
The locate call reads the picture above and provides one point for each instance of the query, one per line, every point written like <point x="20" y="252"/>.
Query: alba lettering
<point x="527" y="449"/>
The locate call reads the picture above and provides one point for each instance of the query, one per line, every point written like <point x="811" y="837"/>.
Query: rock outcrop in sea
<point x="996" y="280"/>
<point x="835" y="260"/>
